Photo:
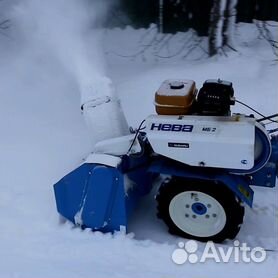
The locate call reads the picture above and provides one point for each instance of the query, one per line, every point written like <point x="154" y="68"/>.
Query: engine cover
<point x="215" y="98"/>
<point x="208" y="141"/>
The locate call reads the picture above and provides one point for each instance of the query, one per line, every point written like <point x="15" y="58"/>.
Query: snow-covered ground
<point x="43" y="137"/>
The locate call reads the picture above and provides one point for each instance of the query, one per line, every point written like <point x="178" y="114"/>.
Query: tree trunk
<point x="161" y="16"/>
<point x="229" y="24"/>
<point x="216" y="26"/>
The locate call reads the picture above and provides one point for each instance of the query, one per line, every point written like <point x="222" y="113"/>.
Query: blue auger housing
<point x="103" y="197"/>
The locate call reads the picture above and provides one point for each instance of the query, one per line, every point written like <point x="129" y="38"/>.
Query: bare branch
<point x="5" y="24"/>
<point x="266" y="34"/>
<point x="152" y="43"/>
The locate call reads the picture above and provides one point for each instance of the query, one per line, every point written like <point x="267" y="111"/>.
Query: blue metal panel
<point x="274" y="144"/>
<point x="136" y="168"/>
<point x="97" y="195"/>
<point x="105" y="194"/>
<point x="238" y="184"/>
<point x="266" y="176"/>
<point x="71" y="189"/>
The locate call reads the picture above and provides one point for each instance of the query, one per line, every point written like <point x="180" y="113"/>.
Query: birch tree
<point x="229" y="24"/>
<point x="222" y="25"/>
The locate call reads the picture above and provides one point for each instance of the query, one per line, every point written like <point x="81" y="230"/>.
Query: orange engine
<point x="175" y="97"/>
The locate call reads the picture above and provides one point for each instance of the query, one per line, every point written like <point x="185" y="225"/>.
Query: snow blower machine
<point x="207" y="158"/>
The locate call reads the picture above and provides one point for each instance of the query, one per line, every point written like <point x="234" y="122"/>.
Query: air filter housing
<point x="215" y="98"/>
<point x="175" y="97"/>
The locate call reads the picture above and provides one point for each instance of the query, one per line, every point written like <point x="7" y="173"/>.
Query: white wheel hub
<point x="197" y="213"/>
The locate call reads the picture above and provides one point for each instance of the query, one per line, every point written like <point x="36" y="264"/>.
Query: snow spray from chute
<point x="64" y="30"/>
<point x="93" y="195"/>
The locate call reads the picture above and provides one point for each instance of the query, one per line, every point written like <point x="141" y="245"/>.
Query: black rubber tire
<point x="233" y="207"/>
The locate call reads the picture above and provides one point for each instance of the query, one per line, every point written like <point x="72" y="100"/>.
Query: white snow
<point x="119" y="146"/>
<point x="43" y="137"/>
<point x="104" y="159"/>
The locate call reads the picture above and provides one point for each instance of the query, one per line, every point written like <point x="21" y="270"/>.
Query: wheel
<point x="201" y="210"/>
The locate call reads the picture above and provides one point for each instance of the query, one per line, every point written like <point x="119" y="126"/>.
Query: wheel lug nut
<point x="187" y="215"/>
<point x="207" y="216"/>
<point x="187" y="206"/>
<point x="209" y="205"/>
<point x="194" y="216"/>
<point x="214" y="215"/>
